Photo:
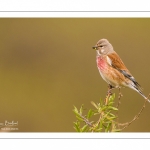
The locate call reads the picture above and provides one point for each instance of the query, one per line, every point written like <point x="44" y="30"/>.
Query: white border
<point x="60" y="135"/>
<point x="72" y="5"/>
<point x="65" y="14"/>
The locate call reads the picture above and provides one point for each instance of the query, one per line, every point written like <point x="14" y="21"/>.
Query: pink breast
<point x="101" y="63"/>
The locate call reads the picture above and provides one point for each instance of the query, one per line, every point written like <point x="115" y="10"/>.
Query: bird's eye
<point x="101" y="46"/>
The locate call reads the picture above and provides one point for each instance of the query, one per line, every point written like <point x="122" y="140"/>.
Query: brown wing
<point x="116" y="62"/>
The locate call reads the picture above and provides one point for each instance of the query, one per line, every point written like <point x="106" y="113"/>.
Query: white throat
<point x="98" y="53"/>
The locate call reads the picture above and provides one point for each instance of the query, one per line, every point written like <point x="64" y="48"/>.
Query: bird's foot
<point x="110" y="87"/>
<point x="109" y="93"/>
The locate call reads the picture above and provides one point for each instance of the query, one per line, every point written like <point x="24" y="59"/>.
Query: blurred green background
<point x="47" y="65"/>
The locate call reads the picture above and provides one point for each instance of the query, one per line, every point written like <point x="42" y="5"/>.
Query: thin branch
<point x="118" y="104"/>
<point x="119" y="98"/>
<point x="100" y="117"/>
<point x="135" y="118"/>
<point x="109" y="93"/>
<point x="86" y="121"/>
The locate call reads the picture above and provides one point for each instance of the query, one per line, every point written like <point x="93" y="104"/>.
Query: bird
<point x="113" y="70"/>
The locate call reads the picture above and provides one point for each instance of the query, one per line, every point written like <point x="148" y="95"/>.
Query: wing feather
<point x="118" y="64"/>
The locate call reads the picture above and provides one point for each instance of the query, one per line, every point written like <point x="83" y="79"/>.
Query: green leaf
<point x="99" y="130"/>
<point x="81" y="109"/>
<point x="112" y="115"/>
<point x="101" y="124"/>
<point x="111" y="98"/>
<point x="75" y="109"/>
<point x="106" y="114"/>
<point x="96" y="114"/>
<point x="77" y="114"/>
<point x="79" y="118"/>
<point x="76" y="128"/>
<point x="116" y="130"/>
<point x="110" y="103"/>
<point x="95" y="126"/>
<point x="92" y="122"/>
<point x="84" y="128"/>
<point x="103" y="108"/>
<point x="90" y="114"/>
<point x="94" y="104"/>
<point x="77" y="123"/>
<point x="108" y="127"/>
<point x="108" y="122"/>
<point x="104" y="126"/>
<point x="101" y="102"/>
<point x="111" y="118"/>
<point x="112" y="108"/>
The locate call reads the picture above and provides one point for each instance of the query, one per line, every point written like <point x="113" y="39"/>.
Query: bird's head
<point x="103" y="47"/>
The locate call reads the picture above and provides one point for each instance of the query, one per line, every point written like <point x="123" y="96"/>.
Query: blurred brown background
<point x="47" y="65"/>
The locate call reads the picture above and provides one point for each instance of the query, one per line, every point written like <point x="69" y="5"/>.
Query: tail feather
<point x="139" y="91"/>
<point x="143" y="96"/>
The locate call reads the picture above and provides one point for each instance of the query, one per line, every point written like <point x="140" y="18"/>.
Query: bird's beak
<point x="94" y="47"/>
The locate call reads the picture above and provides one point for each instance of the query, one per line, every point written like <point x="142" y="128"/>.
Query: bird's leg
<point x="110" y="87"/>
<point x="109" y="93"/>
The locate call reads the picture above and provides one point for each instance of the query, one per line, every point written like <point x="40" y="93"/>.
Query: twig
<point x="118" y="104"/>
<point x="135" y="118"/>
<point x="86" y="121"/>
<point x="100" y="117"/>
<point x="119" y="98"/>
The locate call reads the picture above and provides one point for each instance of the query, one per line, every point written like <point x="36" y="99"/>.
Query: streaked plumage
<point x="112" y="68"/>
